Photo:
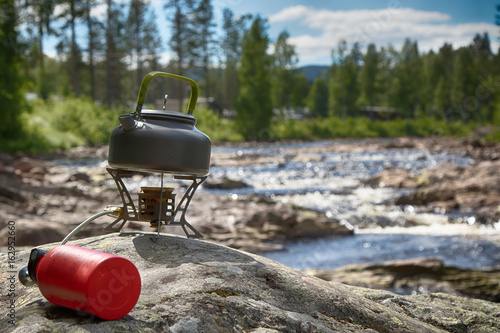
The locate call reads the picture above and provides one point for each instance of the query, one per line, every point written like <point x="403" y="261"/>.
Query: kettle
<point x="160" y="141"/>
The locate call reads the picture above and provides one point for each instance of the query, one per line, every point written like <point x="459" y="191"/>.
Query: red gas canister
<point x="102" y="284"/>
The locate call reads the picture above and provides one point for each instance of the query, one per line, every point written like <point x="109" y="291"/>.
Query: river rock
<point x="419" y="275"/>
<point x="284" y="222"/>
<point x="196" y="286"/>
<point x="28" y="167"/>
<point x="34" y="232"/>
<point x="82" y="177"/>
<point x="225" y="183"/>
<point x="397" y="178"/>
<point x="240" y="159"/>
<point x="9" y="194"/>
<point x="401" y="143"/>
<point x="473" y="188"/>
<point x="256" y="225"/>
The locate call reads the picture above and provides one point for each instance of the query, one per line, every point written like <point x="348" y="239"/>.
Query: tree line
<point x="449" y="84"/>
<point x="104" y="57"/>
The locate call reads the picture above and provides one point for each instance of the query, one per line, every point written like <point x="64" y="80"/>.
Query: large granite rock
<point x="196" y="286"/>
<point x="418" y="275"/>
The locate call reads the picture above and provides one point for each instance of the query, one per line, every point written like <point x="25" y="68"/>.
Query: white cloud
<point x="383" y="27"/>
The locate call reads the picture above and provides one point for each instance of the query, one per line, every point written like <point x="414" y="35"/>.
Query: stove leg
<point x="128" y="211"/>
<point x="184" y="204"/>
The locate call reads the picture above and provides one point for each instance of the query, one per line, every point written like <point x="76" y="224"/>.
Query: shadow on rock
<point x="174" y="251"/>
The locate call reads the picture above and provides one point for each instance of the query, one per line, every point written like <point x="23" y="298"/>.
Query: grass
<point x="70" y="122"/>
<point x="362" y="127"/>
<point x="63" y="124"/>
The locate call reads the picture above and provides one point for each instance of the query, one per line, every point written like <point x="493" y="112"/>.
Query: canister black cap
<point x="35" y="256"/>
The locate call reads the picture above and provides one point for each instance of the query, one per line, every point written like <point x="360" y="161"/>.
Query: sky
<point x="316" y="27"/>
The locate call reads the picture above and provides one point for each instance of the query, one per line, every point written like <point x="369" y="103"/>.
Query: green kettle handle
<point x="144" y="89"/>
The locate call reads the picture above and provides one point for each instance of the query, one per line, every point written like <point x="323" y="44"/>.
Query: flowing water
<point x="367" y="248"/>
<point x="330" y="181"/>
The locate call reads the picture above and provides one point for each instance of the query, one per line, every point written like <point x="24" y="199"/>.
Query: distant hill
<point x="313" y="71"/>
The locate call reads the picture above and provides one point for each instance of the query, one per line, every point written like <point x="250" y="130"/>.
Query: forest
<point x="251" y="87"/>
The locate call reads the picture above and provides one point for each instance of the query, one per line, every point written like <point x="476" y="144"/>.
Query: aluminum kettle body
<point x="166" y="141"/>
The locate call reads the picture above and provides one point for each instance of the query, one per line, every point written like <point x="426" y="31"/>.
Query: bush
<point x="333" y="127"/>
<point x="493" y="136"/>
<point x="217" y="128"/>
<point x="64" y="124"/>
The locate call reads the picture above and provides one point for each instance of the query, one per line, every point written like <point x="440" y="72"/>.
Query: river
<point x="330" y="181"/>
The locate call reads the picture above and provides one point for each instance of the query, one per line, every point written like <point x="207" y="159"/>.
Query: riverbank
<point x="51" y="194"/>
<point x="260" y="197"/>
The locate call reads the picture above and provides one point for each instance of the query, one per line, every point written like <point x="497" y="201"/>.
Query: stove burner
<point x="153" y="203"/>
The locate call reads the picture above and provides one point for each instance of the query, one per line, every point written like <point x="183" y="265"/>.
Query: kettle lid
<point x="168" y="115"/>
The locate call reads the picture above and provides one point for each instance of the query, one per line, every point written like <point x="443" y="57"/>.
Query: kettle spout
<point x="128" y="122"/>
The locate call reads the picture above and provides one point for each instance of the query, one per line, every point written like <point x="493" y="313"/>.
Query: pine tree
<point x="465" y="103"/>
<point x="370" y="85"/>
<point x="285" y="59"/>
<point x="481" y="50"/>
<point x="39" y="15"/>
<point x="442" y="79"/>
<point x="180" y="14"/>
<point x="407" y="80"/>
<point x="74" y="10"/>
<point x="94" y="28"/>
<point x="317" y="101"/>
<point x="231" y="47"/>
<point x="344" y="88"/>
<point x="203" y="41"/>
<point x="11" y="80"/>
<point x="114" y="54"/>
<point x="142" y="37"/>
<point x="253" y="101"/>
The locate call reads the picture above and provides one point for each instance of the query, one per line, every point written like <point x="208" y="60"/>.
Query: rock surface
<point x="420" y="275"/>
<point x="397" y="178"/>
<point x="197" y="286"/>
<point x="474" y="188"/>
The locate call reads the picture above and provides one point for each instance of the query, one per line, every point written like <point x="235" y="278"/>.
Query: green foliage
<point x="217" y="128"/>
<point x="371" y="80"/>
<point x="344" y="87"/>
<point x="253" y="101"/>
<point x="494" y="136"/>
<point x="65" y="124"/>
<point x="84" y="119"/>
<point x="407" y="79"/>
<point x="11" y="80"/>
<point x="284" y="78"/>
<point x="77" y="121"/>
<point x="334" y="127"/>
<point x="317" y="100"/>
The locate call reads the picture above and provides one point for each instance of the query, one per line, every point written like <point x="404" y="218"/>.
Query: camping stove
<point x="155" y="205"/>
<point x="158" y="141"/>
